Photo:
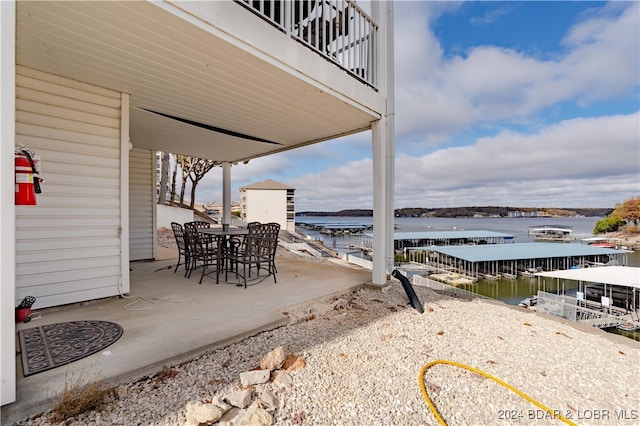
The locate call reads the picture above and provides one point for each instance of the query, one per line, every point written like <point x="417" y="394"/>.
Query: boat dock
<point x="617" y="288"/>
<point x="587" y="312"/>
<point x="514" y="259"/>
<point x="336" y="228"/>
<point x="404" y="240"/>
<point x="551" y="233"/>
<point x="617" y="243"/>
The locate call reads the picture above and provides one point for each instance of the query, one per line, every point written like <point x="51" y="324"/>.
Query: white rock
<point x="221" y="403"/>
<point x="283" y="378"/>
<point x="269" y="400"/>
<point x="232" y="417"/>
<point x="199" y="412"/>
<point x="256" y="416"/>
<point x="254" y="377"/>
<point x="240" y="399"/>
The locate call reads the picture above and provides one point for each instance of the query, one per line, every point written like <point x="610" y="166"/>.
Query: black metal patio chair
<point x="254" y="250"/>
<point x="202" y="250"/>
<point x="183" y="247"/>
<point x="268" y="247"/>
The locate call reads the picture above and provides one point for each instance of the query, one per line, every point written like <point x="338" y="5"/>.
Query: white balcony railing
<point x="339" y="30"/>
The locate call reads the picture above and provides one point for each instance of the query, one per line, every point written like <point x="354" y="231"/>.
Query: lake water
<point x="582" y="227"/>
<point x="509" y="291"/>
<point x="519" y="227"/>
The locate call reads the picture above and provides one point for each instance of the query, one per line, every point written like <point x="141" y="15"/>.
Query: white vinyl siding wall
<point x="68" y="246"/>
<point x="142" y="236"/>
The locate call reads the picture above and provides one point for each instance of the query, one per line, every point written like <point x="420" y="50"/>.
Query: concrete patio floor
<point x="168" y="319"/>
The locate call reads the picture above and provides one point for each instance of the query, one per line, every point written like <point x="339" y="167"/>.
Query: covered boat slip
<point x="515" y="259"/>
<point x="333" y="228"/>
<point x="617" y="243"/>
<point x="404" y="240"/>
<point x="626" y="276"/>
<point x="619" y="284"/>
<point x="551" y="232"/>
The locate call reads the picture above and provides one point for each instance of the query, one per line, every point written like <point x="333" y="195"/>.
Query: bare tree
<point x="192" y="169"/>
<point x="199" y="168"/>
<point x="174" y="175"/>
<point x="628" y="210"/>
<point x="185" y="163"/>
<point x="164" y="177"/>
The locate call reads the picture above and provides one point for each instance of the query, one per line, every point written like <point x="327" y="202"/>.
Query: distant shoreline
<point x="473" y="211"/>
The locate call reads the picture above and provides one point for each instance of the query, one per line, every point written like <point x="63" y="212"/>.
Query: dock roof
<point x="336" y="225"/>
<point x="343" y="226"/>
<point x="617" y="275"/>
<point x="494" y="252"/>
<point x="448" y="235"/>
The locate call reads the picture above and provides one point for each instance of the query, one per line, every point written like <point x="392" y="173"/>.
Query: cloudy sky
<point x="528" y="104"/>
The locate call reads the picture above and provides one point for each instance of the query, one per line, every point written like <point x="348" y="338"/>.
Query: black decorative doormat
<point x="53" y="345"/>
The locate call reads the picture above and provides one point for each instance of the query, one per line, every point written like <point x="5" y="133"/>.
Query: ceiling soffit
<point x="170" y="66"/>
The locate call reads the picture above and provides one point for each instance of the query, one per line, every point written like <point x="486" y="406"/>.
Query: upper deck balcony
<point x="339" y="30"/>
<point x="224" y="80"/>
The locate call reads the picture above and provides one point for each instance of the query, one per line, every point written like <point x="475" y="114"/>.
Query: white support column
<point x="390" y="136"/>
<point x="383" y="134"/>
<point x="125" y="148"/>
<point x="226" y="192"/>
<point x="379" y="275"/>
<point x="7" y="207"/>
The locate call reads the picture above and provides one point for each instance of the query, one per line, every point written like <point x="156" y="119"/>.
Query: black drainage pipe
<point x="408" y="288"/>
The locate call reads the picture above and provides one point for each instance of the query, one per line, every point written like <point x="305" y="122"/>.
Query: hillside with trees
<point x="349" y="213"/>
<point x="473" y="211"/>
<point x="625" y="215"/>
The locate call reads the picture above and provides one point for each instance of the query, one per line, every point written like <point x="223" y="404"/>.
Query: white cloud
<point x="586" y="162"/>
<point x="604" y="58"/>
<point x="416" y="49"/>
<point x="337" y="188"/>
<point x="438" y="96"/>
<point x="565" y="162"/>
<point x="491" y="16"/>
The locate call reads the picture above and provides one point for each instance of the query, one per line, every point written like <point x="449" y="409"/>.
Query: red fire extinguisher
<point x="27" y="185"/>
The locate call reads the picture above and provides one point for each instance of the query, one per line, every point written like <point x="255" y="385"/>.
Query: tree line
<point x="192" y="169"/>
<point x="499" y="211"/>
<point x="625" y="213"/>
<point x="471" y="211"/>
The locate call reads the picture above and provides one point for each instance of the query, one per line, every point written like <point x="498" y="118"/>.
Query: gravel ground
<point x="364" y="354"/>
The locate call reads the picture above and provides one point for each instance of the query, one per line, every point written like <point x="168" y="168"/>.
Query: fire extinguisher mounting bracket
<point x="36" y="180"/>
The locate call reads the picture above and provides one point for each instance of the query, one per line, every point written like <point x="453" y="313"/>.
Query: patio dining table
<point x="222" y="236"/>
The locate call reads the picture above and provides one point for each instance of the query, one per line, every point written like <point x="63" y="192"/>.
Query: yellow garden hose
<point x="434" y="410"/>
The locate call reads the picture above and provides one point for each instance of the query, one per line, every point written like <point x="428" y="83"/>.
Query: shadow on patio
<point x="168" y="319"/>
